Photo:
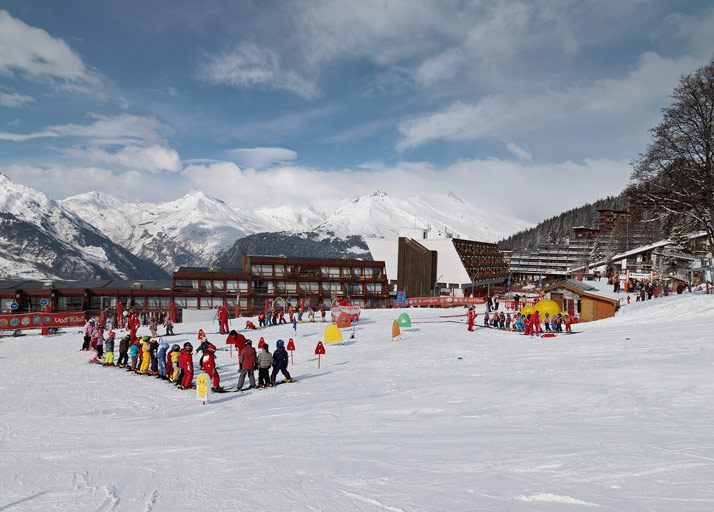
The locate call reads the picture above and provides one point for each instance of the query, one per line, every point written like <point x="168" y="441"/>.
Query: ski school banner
<point x="42" y="320"/>
<point x="444" y="301"/>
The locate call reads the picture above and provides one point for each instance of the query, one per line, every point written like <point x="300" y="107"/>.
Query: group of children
<point x="531" y="324"/>
<point x="150" y="355"/>
<point x="277" y="317"/>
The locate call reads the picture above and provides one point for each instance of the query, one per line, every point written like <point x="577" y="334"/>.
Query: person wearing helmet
<point x="247" y="365"/>
<point x="263" y="362"/>
<point x="145" y="354"/>
<point x="123" y="351"/>
<point x="161" y="359"/>
<point x="208" y="364"/>
<point x="280" y="363"/>
<point x="186" y="365"/>
<point x="172" y="363"/>
<point x="109" y="349"/>
<point x="88" y="332"/>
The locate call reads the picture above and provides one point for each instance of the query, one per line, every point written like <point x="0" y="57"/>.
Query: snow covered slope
<point x="614" y="418"/>
<point x="41" y="239"/>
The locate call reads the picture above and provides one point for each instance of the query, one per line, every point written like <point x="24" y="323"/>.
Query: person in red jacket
<point x="238" y="341"/>
<point x="247" y="365"/>
<point x="529" y="326"/>
<point x="223" y="320"/>
<point x="186" y="365"/>
<point x="536" y="323"/>
<point x="133" y="325"/>
<point x="568" y="323"/>
<point x="472" y="318"/>
<point x="208" y="363"/>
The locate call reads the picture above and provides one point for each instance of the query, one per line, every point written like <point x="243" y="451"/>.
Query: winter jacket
<point x="161" y="355"/>
<point x="175" y="356"/>
<point x="280" y="358"/>
<point x="247" y="358"/>
<point x="264" y="359"/>
<point x="88" y="329"/>
<point x="124" y="344"/>
<point x="134" y="351"/>
<point x="109" y="345"/>
<point x="186" y="360"/>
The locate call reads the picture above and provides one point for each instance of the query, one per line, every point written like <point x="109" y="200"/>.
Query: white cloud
<point x="518" y="151"/>
<point x="532" y="195"/>
<point x="59" y="182"/>
<point x="249" y="66"/>
<point x="643" y="88"/>
<point x="154" y="158"/>
<point x="105" y="130"/>
<point x="259" y="158"/>
<point x="15" y="100"/>
<point x="34" y="53"/>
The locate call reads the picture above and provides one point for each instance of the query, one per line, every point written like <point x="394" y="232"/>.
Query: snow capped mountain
<point x="191" y="230"/>
<point x="380" y="215"/>
<point x="98" y="235"/>
<point x="40" y="239"/>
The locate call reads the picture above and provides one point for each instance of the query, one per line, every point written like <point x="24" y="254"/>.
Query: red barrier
<point x="42" y="320"/>
<point x="445" y="301"/>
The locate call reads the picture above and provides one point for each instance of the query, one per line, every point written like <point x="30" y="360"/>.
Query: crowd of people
<point x="152" y="356"/>
<point x="530" y="325"/>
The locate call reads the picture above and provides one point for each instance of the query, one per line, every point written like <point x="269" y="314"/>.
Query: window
<point x="374" y="288"/>
<point x="243" y="303"/>
<point x="373" y="272"/>
<point x="309" y="287"/>
<point x="237" y="286"/>
<point x="286" y="287"/>
<point x="327" y="301"/>
<point x="308" y="270"/>
<point x="185" y="302"/>
<point x="280" y="270"/>
<point x="261" y="270"/>
<point x="263" y="287"/>
<point x="332" y="288"/>
<point x="207" y="303"/>
<point x="5" y="305"/>
<point x="103" y="302"/>
<point x="159" y="302"/>
<point x="187" y="284"/>
<point x="355" y="289"/>
<point x="67" y="303"/>
<point x="138" y="302"/>
<point x="330" y="271"/>
<point x="257" y="304"/>
<point x="205" y="285"/>
<point x="219" y="285"/>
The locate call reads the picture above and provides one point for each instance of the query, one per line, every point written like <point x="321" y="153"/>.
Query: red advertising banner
<point x="42" y="320"/>
<point x="444" y="301"/>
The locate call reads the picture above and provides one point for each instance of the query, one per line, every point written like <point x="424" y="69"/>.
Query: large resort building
<point x="244" y="290"/>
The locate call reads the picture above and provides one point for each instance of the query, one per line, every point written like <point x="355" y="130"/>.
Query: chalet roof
<point x="582" y="289"/>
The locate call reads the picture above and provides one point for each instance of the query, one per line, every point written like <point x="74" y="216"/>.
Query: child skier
<point x="123" y="351"/>
<point x="169" y="325"/>
<point x="208" y="363"/>
<point x="186" y="364"/>
<point x="109" y="349"/>
<point x="152" y="327"/>
<point x="263" y="362"/>
<point x="161" y="359"/>
<point x="145" y="355"/>
<point x="153" y="349"/>
<point x="280" y="363"/>
<point x="247" y="365"/>
<point x="472" y="318"/>
<point x="88" y="331"/>
<point x="172" y="363"/>
<point x="133" y="354"/>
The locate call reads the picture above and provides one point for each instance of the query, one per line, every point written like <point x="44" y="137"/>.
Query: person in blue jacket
<point x="161" y="360"/>
<point x="280" y="363"/>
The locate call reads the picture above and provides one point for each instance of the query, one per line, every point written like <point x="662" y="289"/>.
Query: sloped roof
<point x="582" y="289"/>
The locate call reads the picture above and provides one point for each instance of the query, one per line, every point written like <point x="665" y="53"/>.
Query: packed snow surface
<point x="616" y="417"/>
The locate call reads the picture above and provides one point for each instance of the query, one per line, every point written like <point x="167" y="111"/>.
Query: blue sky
<point x="507" y="103"/>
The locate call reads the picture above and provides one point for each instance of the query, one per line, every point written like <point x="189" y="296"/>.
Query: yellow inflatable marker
<point x="202" y="390"/>
<point x="332" y="334"/>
